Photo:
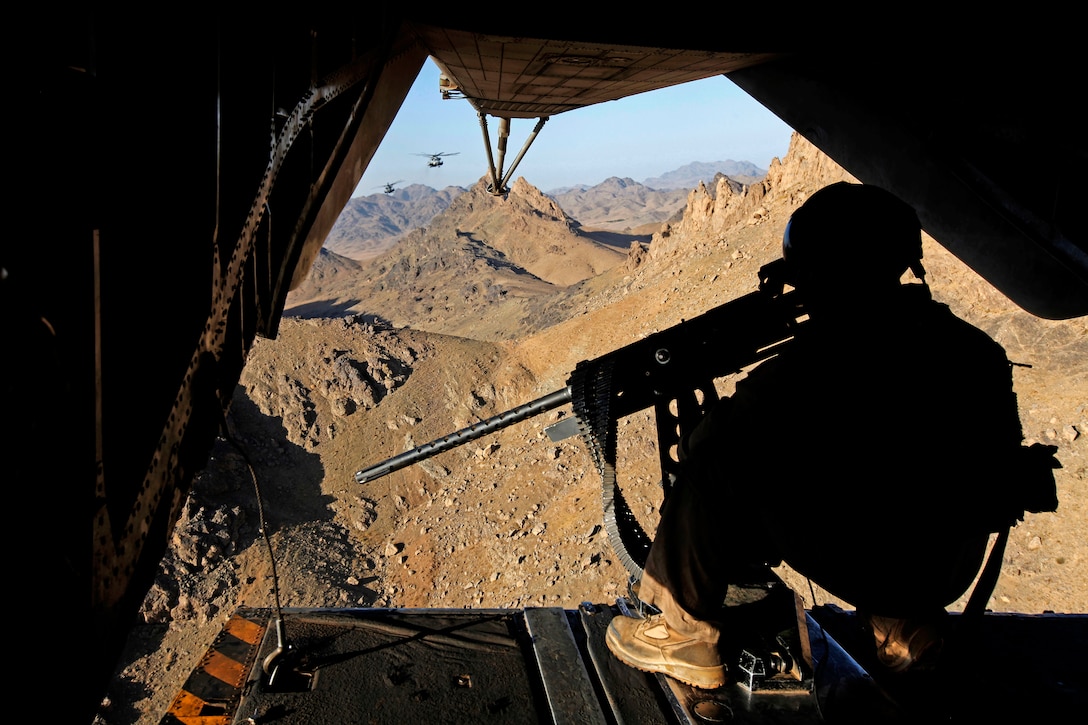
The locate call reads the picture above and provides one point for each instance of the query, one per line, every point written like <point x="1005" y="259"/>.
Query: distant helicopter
<point x="436" y="159"/>
<point x="390" y="185"/>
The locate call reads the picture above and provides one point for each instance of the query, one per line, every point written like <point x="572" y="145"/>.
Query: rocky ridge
<point x="622" y="205"/>
<point x="483" y="268"/>
<point x="616" y="211"/>
<point x="368" y="225"/>
<point x="689" y="175"/>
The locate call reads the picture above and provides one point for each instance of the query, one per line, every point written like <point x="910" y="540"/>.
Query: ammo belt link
<point x="591" y="392"/>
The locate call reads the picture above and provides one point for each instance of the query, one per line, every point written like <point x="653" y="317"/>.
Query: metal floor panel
<point x="550" y="665"/>
<point x="398" y="666"/>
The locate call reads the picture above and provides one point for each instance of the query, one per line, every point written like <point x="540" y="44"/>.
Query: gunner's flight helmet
<point x="853" y="234"/>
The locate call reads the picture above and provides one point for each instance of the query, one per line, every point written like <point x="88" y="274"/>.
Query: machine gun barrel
<point x="472" y="432"/>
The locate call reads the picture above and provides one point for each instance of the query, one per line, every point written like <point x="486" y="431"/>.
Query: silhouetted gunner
<point x="874" y="455"/>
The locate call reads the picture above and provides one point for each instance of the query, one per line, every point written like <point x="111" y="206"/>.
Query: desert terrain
<point x="514" y="519"/>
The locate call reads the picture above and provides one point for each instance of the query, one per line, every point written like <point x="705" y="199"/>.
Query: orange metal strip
<point x="186" y="710"/>
<point x="186" y="704"/>
<point x="244" y="629"/>
<point x="224" y="668"/>
<point x="187" y="707"/>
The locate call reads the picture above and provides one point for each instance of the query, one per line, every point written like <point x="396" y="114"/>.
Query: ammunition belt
<point x="591" y="391"/>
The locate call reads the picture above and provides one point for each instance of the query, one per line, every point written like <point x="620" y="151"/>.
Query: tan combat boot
<point x="649" y="645"/>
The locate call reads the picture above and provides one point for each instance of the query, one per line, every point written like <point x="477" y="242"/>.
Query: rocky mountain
<point x="370" y="224"/>
<point x="689" y="176"/>
<point x="622" y="205"/>
<point x="482" y="263"/>
<point x="513" y="519"/>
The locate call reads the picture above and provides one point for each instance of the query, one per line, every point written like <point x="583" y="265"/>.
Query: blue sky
<point x="637" y="137"/>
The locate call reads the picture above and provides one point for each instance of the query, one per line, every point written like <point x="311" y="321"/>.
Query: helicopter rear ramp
<point x="497" y="666"/>
<point x="551" y="665"/>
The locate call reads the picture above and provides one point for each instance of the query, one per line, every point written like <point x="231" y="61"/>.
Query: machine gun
<point x="672" y="371"/>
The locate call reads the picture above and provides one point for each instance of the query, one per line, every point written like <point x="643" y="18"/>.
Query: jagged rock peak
<point x="522" y="197"/>
<point x="803" y="170"/>
<point x="536" y="200"/>
<point x="787" y="183"/>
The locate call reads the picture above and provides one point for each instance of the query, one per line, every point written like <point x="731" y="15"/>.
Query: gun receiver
<point x="672" y="371"/>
